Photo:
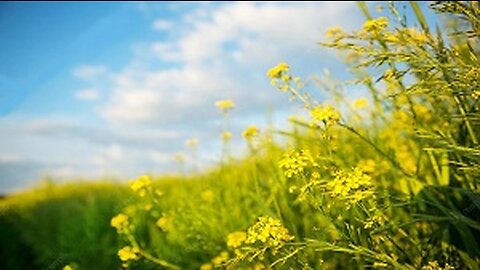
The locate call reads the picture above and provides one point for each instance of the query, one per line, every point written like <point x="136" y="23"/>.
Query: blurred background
<point x="90" y="90"/>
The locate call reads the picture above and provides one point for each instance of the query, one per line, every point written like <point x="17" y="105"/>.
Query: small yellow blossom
<point x="141" y="184"/>
<point x="236" y="239"/>
<point x="250" y="132"/>
<point x="128" y="253"/>
<point x="360" y="103"/>
<point x="278" y="70"/>
<point x="226" y="136"/>
<point x="68" y="267"/>
<point x="326" y="114"/>
<point x="164" y="223"/>
<point x="295" y="162"/>
<point x="225" y="105"/>
<point x="476" y="94"/>
<point x="206" y="266"/>
<point x="351" y="186"/>
<point x="375" y="25"/>
<point x="333" y="32"/>
<point x="268" y="231"/>
<point x="220" y="259"/>
<point x="120" y="222"/>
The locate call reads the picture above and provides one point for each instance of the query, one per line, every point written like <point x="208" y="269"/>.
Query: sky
<point x="91" y="90"/>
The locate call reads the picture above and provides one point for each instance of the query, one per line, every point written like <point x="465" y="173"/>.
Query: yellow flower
<point x="192" y="142"/>
<point x="351" y="186"/>
<point x="141" y="184"/>
<point x="360" y="103"/>
<point x="226" y="135"/>
<point x="375" y="25"/>
<point x="277" y="71"/>
<point x="207" y="195"/>
<point x="206" y="266"/>
<point x="128" y="253"/>
<point x="120" y="222"/>
<point x="269" y="231"/>
<point x="225" y="105"/>
<point x="326" y="114"/>
<point x="334" y="32"/>
<point x="164" y="223"/>
<point x="250" y="132"/>
<point x="220" y="259"/>
<point x="295" y="162"/>
<point x="236" y="239"/>
<point x="67" y="267"/>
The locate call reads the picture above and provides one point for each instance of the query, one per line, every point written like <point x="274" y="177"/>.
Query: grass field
<point x="389" y="180"/>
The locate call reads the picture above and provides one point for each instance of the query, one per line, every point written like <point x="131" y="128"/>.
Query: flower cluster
<point x="141" y="185"/>
<point x="326" y="114"/>
<point x="268" y="231"/>
<point x="236" y="239"/>
<point x="375" y="25"/>
<point x="250" y="133"/>
<point x="120" y="222"/>
<point x="128" y="253"/>
<point x="225" y="105"/>
<point x="351" y="186"/>
<point x="295" y="162"/>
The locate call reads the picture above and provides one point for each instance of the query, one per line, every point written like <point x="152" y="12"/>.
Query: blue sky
<point x="91" y="90"/>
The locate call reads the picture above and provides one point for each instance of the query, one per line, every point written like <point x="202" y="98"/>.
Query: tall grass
<point x="389" y="180"/>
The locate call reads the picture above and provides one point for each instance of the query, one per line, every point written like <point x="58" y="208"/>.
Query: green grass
<point x="393" y="184"/>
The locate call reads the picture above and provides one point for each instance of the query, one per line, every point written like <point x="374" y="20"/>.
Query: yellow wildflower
<point x="226" y="136"/>
<point x="278" y="70"/>
<point x="269" y="231"/>
<point x="225" y="105"/>
<point x="294" y="162"/>
<point x="326" y="114"/>
<point x="360" y="103"/>
<point x="68" y="267"/>
<point x="475" y="94"/>
<point x="333" y="32"/>
<point x="128" y="253"/>
<point x="220" y="259"/>
<point x="120" y="222"/>
<point x="375" y="25"/>
<point x="141" y="184"/>
<point x="351" y="186"/>
<point x="236" y="239"/>
<point x="206" y="266"/>
<point x="164" y="223"/>
<point x="250" y="132"/>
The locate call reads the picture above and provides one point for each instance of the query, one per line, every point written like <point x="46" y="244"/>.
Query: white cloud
<point x="89" y="72"/>
<point x="162" y="25"/>
<point x="223" y="52"/>
<point x="87" y="94"/>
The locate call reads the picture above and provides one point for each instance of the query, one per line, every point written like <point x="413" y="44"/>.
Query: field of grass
<point x="390" y="180"/>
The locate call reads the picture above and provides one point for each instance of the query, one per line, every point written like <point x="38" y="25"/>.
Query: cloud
<point x="162" y="25"/>
<point x="89" y="72"/>
<point x="87" y="94"/>
<point x="223" y="52"/>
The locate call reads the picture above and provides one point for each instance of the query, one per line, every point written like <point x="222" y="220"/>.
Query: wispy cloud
<point x="87" y="94"/>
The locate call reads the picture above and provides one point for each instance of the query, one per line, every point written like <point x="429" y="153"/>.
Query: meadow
<point x="390" y="180"/>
